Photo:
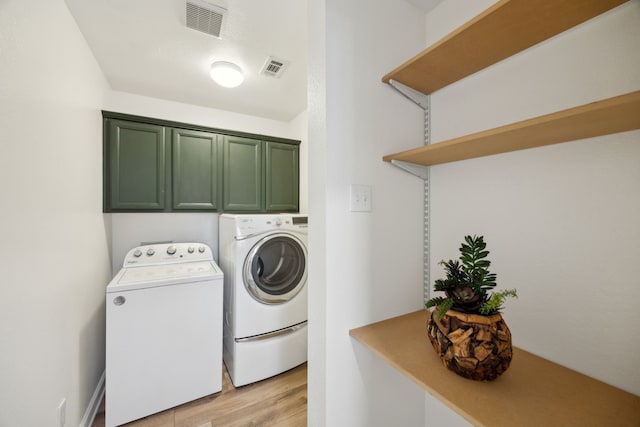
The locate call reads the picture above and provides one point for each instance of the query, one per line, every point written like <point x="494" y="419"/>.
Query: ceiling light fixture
<point x="226" y="74"/>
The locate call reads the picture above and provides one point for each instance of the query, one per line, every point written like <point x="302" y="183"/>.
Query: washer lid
<point x="162" y="275"/>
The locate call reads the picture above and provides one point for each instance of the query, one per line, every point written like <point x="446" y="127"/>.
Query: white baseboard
<point x="94" y="404"/>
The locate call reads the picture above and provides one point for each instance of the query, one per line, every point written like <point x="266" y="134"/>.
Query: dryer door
<point x="275" y="269"/>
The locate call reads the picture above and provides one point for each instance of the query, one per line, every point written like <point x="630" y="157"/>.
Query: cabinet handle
<point x="119" y="300"/>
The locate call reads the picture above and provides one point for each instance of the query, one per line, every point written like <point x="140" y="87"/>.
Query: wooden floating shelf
<point x="532" y="392"/>
<point x="506" y="28"/>
<point x="612" y="115"/>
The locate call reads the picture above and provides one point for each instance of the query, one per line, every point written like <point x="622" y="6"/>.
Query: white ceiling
<point x="144" y="47"/>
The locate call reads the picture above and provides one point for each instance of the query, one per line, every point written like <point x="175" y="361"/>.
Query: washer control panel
<point x="166" y="253"/>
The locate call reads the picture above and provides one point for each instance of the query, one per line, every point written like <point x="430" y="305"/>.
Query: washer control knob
<point x="278" y="222"/>
<point x="201" y="249"/>
<point x="137" y="253"/>
<point x="171" y="250"/>
<point x="150" y="251"/>
<point x="190" y="249"/>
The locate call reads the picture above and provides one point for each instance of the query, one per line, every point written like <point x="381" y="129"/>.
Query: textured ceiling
<point x="144" y="47"/>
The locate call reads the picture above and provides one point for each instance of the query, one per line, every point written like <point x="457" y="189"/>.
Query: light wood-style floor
<point x="280" y="401"/>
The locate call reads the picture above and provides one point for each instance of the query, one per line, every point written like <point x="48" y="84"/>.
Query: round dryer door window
<point x="276" y="268"/>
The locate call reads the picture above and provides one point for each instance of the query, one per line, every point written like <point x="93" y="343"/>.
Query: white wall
<point x="131" y="229"/>
<point x="54" y="253"/>
<point x="123" y="102"/>
<point x="300" y="125"/>
<point x="438" y="414"/>
<point x="364" y="267"/>
<point x="561" y="222"/>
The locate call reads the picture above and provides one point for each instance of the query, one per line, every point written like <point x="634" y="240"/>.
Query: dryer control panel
<point x="252" y="224"/>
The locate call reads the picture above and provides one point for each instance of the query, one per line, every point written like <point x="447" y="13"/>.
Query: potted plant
<point x="466" y="328"/>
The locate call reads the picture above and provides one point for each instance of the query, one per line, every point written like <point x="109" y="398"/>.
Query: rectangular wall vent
<point x="205" y="17"/>
<point x="274" y="67"/>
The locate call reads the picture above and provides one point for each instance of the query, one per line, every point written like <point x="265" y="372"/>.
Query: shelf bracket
<point x="418" y="170"/>
<point x="413" y="95"/>
<point x="423" y="101"/>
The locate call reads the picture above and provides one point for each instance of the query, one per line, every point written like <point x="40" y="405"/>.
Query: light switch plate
<point x="360" y="198"/>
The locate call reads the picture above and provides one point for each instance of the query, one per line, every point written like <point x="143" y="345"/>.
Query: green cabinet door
<point x="137" y="154"/>
<point x="195" y="164"/>
<point x="242" y="174"/>
<point x="281" y="177"/>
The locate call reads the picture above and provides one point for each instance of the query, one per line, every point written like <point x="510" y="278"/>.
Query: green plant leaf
<point x="494" y="304"/>
<point x="435" y="301"/>
<point x="443" y="307"/>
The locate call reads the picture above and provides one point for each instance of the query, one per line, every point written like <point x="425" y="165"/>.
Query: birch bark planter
<point x="471" y="345"/>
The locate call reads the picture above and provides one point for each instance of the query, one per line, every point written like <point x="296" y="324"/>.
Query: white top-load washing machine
<point x="164" y="330"/>
<point x="264" y="260"/>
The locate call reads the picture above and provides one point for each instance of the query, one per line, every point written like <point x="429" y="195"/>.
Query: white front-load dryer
<point x="264" y="260"/>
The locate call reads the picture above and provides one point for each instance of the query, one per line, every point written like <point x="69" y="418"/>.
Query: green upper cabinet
<point x="196" y="166"/>
<point x="281" y="177"/>
<point x="260" y="176"/>
<point x="242" y="174"/>
<point x="137" y="166"/>
<point x="158" y="165"/>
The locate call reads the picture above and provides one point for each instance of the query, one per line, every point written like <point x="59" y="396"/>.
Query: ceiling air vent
<point x="205" y="17"/>
<point x="274" y="67"/>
